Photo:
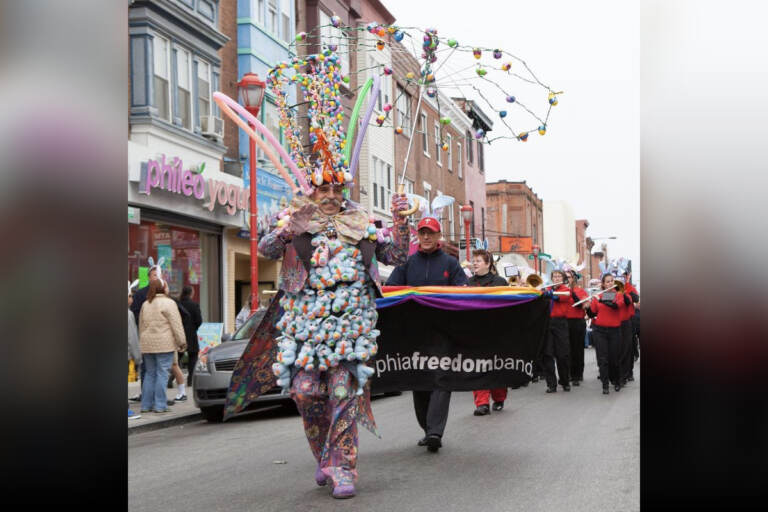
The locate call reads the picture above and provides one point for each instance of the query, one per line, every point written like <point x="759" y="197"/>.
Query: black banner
<point x="423" y="348"/>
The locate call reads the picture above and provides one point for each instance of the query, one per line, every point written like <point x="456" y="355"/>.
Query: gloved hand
<point x="299" y="220"/>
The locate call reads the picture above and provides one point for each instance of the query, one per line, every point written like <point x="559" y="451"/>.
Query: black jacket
<point x="428" y="269"/>
<point x="192" y="324"/>
<point x="488" y="279"/>
<point x="138" y="300"/>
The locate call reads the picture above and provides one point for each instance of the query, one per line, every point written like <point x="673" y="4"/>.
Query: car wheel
<point x="213" y="414"/>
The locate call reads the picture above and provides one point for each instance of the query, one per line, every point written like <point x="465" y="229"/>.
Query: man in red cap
<point x="430" y="266"/>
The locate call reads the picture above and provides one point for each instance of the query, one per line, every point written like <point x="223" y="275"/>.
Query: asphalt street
<point x="575" y="451"/>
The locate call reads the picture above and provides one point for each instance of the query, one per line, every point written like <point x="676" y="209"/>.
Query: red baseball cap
<point x="429" y="223"/>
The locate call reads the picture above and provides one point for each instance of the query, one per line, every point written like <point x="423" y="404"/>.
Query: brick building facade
<point x="431" y="171"/>
<point x="514" y="210"/>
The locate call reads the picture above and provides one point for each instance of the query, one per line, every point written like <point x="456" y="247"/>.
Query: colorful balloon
<point x="497" y="54"/>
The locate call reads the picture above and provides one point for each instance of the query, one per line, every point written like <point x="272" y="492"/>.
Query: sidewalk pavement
<point x="179" y="413"/>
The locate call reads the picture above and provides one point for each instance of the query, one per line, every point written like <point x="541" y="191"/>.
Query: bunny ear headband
<point x="481" y="246"/>
<point x="131" y="285"/>
<point x="158" y="266"/>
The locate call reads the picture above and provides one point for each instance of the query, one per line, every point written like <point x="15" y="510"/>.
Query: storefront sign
<point x="134" y="215"/>
<point x="516" y="244"/>
<point x="172" y="177"/>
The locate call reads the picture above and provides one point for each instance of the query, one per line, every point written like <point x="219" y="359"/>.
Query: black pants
<point x="191" y="363"/>
<point x="607" y="342"/>
<point x="557" y="348"/>
<point x="432" y="410"/>
<point x="577" y="330"/>
<point x="627" y="359"/>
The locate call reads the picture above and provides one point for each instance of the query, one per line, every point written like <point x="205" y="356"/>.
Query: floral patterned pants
<point x="328" y="406"/>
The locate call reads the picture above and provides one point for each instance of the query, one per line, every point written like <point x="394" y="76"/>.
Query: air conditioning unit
<point x="212" y="126"/>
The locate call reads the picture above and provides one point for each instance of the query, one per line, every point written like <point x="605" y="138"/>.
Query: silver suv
<point x="214" y="371"/>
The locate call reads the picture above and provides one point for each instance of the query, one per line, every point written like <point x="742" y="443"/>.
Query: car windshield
<point x="246" y="330"/>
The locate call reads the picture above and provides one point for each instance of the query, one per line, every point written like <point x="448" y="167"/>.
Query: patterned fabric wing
<point x="253" y="375"/>
<point x="365" y="413"/>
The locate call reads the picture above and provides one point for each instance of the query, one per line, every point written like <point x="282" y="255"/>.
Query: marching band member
<point x="557" y="346"/>
<point x="577" y="327"/>
<point x="485" y="276"/>
<point x="633" y="348"/>
<point x="606" y="333"/>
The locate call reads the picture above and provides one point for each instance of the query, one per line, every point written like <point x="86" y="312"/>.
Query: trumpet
<point x="534" y="280"/>
<point x="515" y="281"/>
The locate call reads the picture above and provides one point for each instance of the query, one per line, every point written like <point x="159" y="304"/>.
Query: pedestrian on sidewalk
<point x="243" y="314"/>
<point x="485" y="275"/>
<point x="190" y="328"/>
<point x="430" y="266"/>
<point x="161" y="334"/>
<point x="139" y="296"/>
<point x="134" y="350"/>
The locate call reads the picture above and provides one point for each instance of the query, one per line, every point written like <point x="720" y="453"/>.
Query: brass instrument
<point x="515" y="281"/>
<point x="534" y="280"/>
<point x="619" y="286"/>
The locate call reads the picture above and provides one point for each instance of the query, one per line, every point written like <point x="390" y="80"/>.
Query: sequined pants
<point x="328" y="406"/>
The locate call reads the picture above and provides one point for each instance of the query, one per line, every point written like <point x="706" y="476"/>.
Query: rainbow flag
<point x="458" y="297"/>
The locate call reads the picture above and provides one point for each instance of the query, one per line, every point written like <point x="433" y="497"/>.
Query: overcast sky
<point x="590" y="50"/>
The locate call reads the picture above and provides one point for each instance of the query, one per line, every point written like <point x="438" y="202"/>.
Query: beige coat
<point x="160" y="327"/>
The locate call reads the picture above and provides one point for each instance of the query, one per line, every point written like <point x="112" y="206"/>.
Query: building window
<point x="424" y="143"/>
<point x="260" y="11"/>
<point x="437" y="144"/>
<point x="404" y="110"/>
<point x="183" y="77"/>
<point x="207" y="9"/>
<point x="285" y="13"/>
<point x="204" y="88"/>
<point x="472" y="225"/>
<point x="450" y="221"/>
<point x="271" y="121"/>
<point x="408" y="186"/>
<point x="332" y="35"/>
<point x="382" y="183"/>
<point x="272" y="16"/>
<point x="428" y="193"/>
<point x="480" y="162"/>
<point x="450" y="151"/>
<point x="384" y="90"/>
<point x="469" y="148"/>
<point x="162" y="66"/>
<point x="459" y="160"/>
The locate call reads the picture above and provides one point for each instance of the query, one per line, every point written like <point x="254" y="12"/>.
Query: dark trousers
<point x="432" y="410"/>
<point x="557" y="348"/>
<point x="577" y="329"/>
<point x="191" y="363"/>
<point x="627" y="358"/>
<point x="607" y="342"/>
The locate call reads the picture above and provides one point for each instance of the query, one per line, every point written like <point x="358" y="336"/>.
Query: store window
<point x="190" y="260"/>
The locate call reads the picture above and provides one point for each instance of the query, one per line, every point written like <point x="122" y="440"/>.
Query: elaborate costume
<point x="319" y="330"/>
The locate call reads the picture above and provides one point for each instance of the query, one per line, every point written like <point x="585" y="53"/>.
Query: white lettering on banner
<point x="458" y="364"/>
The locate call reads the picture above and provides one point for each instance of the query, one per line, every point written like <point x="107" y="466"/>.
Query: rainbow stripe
<point x="458" y="297"/>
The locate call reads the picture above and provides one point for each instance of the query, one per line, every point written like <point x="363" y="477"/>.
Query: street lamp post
<point x="536" y="263"/>
<point x="251" y="91"/>
<point x="466" y="213"/>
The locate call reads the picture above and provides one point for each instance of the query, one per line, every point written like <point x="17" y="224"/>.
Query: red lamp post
<point x="466" y="213"/>
<point x="251" y="92"/>
<point x="535" y="249"/>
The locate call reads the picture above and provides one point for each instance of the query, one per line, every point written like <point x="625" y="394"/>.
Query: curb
<point x="170" y="422"/>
